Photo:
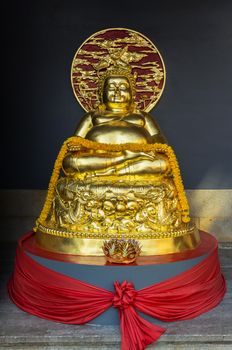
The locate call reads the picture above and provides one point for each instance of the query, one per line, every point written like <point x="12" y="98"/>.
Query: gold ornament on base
<point x="121" y="251"/>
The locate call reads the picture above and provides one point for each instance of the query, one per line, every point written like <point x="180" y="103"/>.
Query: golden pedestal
<point x="86" y="213"/>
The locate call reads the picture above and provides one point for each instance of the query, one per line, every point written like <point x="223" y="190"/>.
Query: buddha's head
<point x="118" y="91"/>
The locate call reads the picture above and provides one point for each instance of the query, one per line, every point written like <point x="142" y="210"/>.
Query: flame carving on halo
<point x="123" y="49"/>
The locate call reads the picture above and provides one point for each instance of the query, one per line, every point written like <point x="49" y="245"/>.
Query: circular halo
<point x="119" y="46"/>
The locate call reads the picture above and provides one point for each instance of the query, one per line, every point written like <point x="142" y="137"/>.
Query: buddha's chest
<point x="113" y="130"/>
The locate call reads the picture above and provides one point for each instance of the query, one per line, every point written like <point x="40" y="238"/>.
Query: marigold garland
<point x="73" y="143"/>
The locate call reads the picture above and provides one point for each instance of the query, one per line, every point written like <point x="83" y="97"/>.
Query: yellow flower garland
<point x="73" y="143"/>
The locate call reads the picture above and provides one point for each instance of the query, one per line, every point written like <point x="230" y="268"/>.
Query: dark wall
<point x="195" y="113"/>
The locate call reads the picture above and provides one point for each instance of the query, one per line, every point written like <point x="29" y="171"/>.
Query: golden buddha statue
<point x="119" y="177"/>
<point x="117" y="122"/>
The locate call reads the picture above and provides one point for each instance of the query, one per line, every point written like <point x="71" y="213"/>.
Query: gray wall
<point x="195" y="113"/>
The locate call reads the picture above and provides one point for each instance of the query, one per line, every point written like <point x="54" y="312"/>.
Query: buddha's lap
<point x="141" y="163"/>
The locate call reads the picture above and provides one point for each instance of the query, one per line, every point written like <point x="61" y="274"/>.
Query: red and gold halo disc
<point x="127" y="48"/>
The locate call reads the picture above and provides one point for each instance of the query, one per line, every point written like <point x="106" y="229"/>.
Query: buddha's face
<point x="117" y="93"/>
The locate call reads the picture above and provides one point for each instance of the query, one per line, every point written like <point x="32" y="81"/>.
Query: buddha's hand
<point x="151" y="155"/>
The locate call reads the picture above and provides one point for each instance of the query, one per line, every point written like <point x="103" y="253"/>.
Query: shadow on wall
<point x="212" y="208"/>
<point x="215" y="178"/>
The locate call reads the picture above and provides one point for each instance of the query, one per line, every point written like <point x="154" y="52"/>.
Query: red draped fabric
<point x="54" y="296"/>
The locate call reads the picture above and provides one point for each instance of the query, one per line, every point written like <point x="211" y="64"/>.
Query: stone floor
<point x="19" y="330"/>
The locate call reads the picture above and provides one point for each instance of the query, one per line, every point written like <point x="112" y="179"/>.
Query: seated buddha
<point x="117" y="121"/>
<point x="116" y="177"/>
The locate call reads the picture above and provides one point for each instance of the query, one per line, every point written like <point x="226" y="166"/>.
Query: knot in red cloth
<point x="124" y="295"/>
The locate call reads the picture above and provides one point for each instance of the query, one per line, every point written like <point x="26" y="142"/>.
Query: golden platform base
<point x="93" y="246"/>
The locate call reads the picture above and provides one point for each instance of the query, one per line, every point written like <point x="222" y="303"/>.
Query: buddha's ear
<point x="101" y="108"/>
<point x="134" y="108"/>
